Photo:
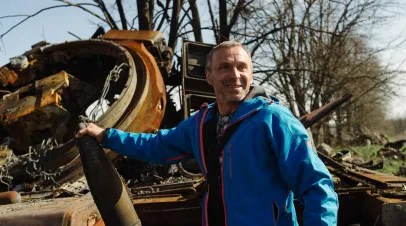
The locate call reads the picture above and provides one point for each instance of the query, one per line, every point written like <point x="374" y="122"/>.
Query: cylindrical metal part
<point x="9" y="197"/>
<point x="108" y="191"/>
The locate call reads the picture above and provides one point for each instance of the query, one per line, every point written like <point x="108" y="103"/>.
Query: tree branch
<point x="197" y="30"/>
<point x="143" y="15"/>
<point x="237" y="12"/>
<point x="12" y="16"/>
<point x="107" y="14"/>
<point x="215" y="28"/>
<point x="122" y="14"/>
<point x="224" y="32"/>
<point x="74" y="35"/>
<point x="165" y="13"/>
<point x="79" y="5"/>
<point x="177" y="6"/>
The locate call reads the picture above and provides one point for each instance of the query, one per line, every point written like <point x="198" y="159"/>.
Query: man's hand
<point x="93" y="131"/>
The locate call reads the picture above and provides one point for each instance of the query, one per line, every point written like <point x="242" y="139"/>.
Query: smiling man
<point x="254" y="154"/>
<point x="229" y="71"/>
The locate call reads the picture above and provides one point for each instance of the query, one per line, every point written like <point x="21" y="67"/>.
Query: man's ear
<point x="209" y="78"/>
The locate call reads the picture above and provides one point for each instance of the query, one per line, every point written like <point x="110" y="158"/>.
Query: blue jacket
<point x="267" y="161"/>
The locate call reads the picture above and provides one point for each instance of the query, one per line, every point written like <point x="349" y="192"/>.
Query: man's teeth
<point x="233" y="86"/>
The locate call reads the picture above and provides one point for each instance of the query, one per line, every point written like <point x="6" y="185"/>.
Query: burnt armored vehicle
<point x="122" y="80"/>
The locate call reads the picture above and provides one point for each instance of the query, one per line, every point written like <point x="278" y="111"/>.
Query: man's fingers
<point x="92" y="130"/>
<point x="82" y="132"/>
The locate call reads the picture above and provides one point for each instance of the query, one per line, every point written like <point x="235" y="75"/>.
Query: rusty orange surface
<point x="150" y="36"/>
<point x="380" y="177"/>
<point x="7" y="76"/>
<point x="63" y="211"/>
<point x="13" y="107"/>
<point x="385" y="178"/>
<point x="157" y="199"/>
<point x="148" y="111"/>
<point x="100" y="222"/>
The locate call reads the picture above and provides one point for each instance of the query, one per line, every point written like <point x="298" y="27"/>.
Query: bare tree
<point x="306" y="52"/>
<point x="316" y="51"/>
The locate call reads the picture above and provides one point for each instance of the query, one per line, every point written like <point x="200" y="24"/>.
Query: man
<point x="253" y="153"/>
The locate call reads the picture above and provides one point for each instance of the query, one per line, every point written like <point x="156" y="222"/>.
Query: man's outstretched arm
<point x="166" y="147"/>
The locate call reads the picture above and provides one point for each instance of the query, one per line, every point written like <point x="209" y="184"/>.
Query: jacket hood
<point x="256" y="91"/>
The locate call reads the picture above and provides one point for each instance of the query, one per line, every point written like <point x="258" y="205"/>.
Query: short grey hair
<point x="224" y="45"/>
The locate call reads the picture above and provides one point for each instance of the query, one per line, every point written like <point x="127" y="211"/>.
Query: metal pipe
<point x="108" y="191"/>
<point x="9" y="197"/>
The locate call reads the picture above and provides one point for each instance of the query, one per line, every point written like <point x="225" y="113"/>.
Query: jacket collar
<point x="254" y="100"/>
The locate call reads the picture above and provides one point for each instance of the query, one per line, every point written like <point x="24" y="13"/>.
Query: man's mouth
<point x="233" y="86"/>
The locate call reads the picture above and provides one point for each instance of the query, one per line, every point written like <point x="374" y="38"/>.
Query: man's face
<point x="230" y="74"/>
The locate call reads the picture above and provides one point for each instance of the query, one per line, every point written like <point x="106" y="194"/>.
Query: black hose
<point x="108" y="191"/>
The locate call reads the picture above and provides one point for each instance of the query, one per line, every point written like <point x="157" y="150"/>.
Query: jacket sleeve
<point x="168" y="146"/>
<point x="301" y="168"/>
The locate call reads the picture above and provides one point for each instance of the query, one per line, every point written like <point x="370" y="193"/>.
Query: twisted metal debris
<point x="31" y="162"/>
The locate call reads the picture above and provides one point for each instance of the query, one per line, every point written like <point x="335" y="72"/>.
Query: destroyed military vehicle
<point x="122" y="80"/>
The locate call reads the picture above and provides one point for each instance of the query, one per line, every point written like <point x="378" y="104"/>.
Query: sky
<point x="53" y="26"/>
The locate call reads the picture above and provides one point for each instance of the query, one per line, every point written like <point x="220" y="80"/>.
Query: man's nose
<point x="235" y="73"/>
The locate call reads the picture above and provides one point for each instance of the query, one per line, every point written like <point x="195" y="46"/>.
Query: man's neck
<point x="228" y="108"/>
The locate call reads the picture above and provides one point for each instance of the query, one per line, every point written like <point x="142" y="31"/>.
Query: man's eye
<point x="243" y="67"/>
<point x="224" y="67"/>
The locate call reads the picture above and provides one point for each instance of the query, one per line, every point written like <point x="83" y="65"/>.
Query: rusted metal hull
<point x="38" y="106"/>
<point x="52" y="212"/>
<point x="366" y="208"/>
<point x="61" y="74"/>
<point x="169" y="211"/>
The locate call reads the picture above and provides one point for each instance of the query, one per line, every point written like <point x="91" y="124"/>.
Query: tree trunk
<point x="213" y="22"/>
<point x="151" y="13"/>
<point x="316" y="134"/>
<point x="327" y="136"/>
<point x="173" y="35"/>
<point x="122" y="14"/>
<point x="143" y="15"/>
<point x="339" y="128"/>
<point x="224" y="32"/>
<point x="197" y="30"/>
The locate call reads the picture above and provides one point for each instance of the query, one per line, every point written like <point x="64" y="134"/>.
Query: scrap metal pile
<point x="41" y="104"/>
<point x="49" y="90"/>
<point x="118" y="81"/>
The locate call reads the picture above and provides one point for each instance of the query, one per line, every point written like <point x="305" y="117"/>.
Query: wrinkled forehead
<point x="231" y="55"/>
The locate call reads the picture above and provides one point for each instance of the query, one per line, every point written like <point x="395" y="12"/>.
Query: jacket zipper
<point x="222" y="165"/>
<point x="204" y="162"/>
<point x="230" y="161"/>
<point x="222" y="189"/>
<point x="206" y="201"/>
<point x="201" y="142"/>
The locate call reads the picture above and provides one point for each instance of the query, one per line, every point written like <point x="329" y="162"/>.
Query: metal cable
<point x="114" y="75"/>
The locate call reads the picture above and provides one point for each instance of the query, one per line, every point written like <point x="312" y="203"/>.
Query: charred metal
<point x="120" y="81"/>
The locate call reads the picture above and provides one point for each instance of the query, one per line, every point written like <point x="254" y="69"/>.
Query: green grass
<point x="366" y="153"/>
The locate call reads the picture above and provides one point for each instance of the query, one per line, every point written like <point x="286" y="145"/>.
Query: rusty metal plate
<point x="64" y="211"/>
<point x="176" y="211"/>
<point x="386" y="178"/>
<point x="150" y="36"/>
<point x="7" y="76"/>
<point x="146" y="109"/>
<point x="23" y="102"/>
<point x="394" y="214"/>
